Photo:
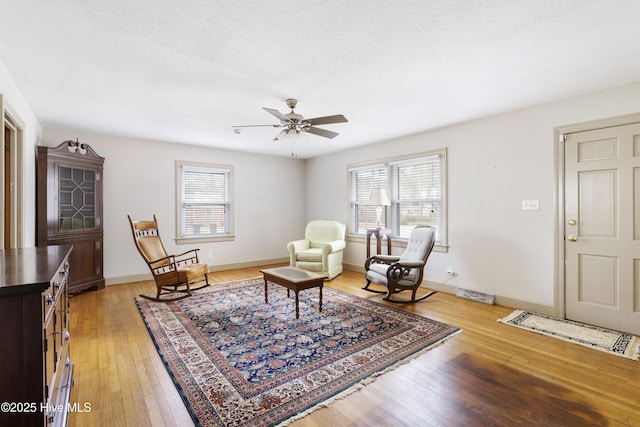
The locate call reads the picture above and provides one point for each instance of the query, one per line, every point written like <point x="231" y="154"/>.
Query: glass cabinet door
<point x="77" y="198"/>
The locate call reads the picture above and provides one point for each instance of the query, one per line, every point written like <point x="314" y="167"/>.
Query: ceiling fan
<point x="294" y="123"/>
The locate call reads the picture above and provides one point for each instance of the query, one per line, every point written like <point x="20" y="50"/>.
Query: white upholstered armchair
<point x="321" y="249"/>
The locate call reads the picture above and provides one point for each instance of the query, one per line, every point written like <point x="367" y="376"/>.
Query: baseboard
<point x="127" y="279"/>
<point x="212" y="268"/>
<point x="499" y="300"/>
<point x="261" y="263"/>
<point x="526" y="305"/>
<point x="436" y="286"/>
<point x="351" y="267"/>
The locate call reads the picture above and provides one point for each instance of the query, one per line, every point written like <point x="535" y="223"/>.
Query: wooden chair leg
<point x="158" y="298"/>
<point x="366" y="288"/>
<point x="206" y="283"/>
<point x="413" y="297"/>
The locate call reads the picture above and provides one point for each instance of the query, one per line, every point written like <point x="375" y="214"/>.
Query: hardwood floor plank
<point x="490" y="374"/>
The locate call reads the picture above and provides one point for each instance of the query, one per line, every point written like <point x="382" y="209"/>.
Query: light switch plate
<point x="530" y="205"/>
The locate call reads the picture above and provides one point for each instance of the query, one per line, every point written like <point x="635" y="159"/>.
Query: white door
<point x="602" y="229"/>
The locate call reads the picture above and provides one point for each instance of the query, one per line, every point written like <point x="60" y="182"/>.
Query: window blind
<point x="416" y="194"/>
<point x="205" y="201"/>
<point x="363" y="181"/>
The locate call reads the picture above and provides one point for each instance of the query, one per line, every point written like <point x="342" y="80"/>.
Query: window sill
<point x="205" y="239"/>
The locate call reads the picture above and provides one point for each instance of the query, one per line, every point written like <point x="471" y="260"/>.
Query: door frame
<point x="10" y="120"/>
<point x="560" y="220"/>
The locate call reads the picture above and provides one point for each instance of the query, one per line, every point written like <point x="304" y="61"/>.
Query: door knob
<point x="572" y="222"/>
<point x="572" y="238"/>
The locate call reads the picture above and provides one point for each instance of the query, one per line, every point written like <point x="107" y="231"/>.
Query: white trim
<point x="12" y="121"/>
<point x="205" y="239"/>
<point x="354" y="167"/>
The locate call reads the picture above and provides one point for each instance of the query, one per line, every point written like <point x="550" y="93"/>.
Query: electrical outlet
<point x="450" y="270"/>
<point x="210" y="254"/>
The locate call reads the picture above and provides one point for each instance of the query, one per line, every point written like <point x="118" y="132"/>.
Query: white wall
<point x="493" y="164"/>
<point x="15" y="104"/>
<point x="139" y="179"/>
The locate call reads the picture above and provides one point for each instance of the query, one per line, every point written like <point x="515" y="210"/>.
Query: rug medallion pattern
<point x="238" y="361"/>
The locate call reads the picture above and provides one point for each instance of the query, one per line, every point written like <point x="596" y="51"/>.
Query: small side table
<point x="379" y="233"/>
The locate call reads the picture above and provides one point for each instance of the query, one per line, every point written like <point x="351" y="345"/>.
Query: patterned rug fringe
<point x="364" y="382"/>
<point x="594" y="337"/>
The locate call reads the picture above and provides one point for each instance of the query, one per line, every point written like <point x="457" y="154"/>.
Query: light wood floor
<point x="488" y="375"/>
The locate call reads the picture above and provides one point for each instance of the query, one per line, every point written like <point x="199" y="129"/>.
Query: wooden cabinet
<point x="69" y="208"/>
<point x="37" y="373"/>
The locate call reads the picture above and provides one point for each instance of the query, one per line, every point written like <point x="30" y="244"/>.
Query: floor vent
<point x="475" y="296"/>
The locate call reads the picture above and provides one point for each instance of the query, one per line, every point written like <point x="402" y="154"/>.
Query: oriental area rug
<point x="606" y="340"/>
<point x="237" y="361"/>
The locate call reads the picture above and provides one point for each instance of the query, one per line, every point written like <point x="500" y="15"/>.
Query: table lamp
<point x="379" y="199"/>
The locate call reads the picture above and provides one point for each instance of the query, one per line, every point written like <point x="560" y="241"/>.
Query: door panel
<point x="597" y="280"/>
<point x="602" y="232"/>
<point x="597" y="203"/>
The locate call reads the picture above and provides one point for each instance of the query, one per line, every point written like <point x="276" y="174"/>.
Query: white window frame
<point x="228" y="232"/>
<point x="392" y="212"/>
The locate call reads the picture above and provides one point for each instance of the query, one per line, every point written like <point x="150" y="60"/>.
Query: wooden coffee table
<point x="293" y="279"/>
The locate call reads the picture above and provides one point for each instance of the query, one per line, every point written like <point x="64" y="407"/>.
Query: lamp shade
<point x="379" y="198"/>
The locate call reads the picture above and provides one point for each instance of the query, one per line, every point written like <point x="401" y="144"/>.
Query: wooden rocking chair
<point x="404" y="272"/>
<point x="173" y="274"/>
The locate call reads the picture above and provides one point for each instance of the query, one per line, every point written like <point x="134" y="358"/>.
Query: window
<point x="363" y="181"/>
<point x="204" y="202"/>
<point x="416" y="187"/>
<point x="417" y="194"/>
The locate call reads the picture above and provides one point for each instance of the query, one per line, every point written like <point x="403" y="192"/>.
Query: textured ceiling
<point x="186" y="71"/>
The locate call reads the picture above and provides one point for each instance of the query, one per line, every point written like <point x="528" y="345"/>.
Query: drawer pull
<point x="67" y="335"/>
<point x="56" y="285"/>
<point x="50" y="299"/>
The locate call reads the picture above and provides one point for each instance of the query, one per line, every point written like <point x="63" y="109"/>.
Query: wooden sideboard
<point x="36" y="370"/>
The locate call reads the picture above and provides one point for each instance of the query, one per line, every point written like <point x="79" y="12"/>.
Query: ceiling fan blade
<point x="254" y="126"/>
<point x="322" y="132"/>
<point x="282" y="133"/>
<point x="277" y="114"/>
<point x="339" y="118"/>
